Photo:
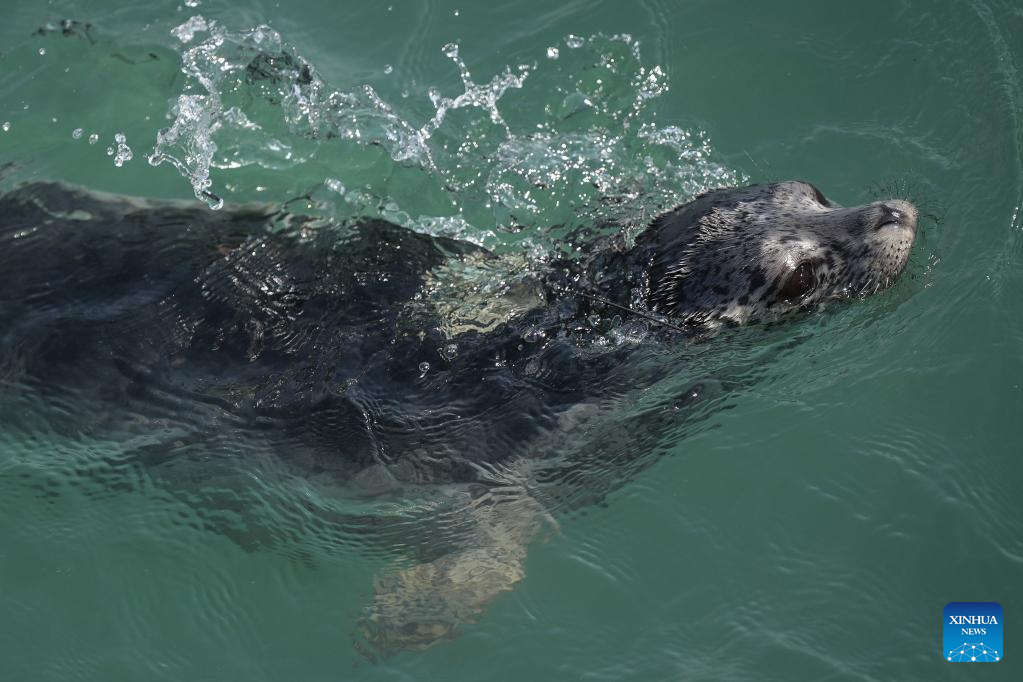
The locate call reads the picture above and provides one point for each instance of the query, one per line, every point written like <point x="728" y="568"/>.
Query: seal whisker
<point x="633" y="311"/>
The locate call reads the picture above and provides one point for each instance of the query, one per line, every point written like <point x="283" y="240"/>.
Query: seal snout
<point x="896" y="212"/>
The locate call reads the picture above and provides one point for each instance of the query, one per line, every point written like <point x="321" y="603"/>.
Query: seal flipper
<point x="427" y="603"/>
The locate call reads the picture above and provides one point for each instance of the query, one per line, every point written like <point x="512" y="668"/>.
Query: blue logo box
<point x="973" y="632"/>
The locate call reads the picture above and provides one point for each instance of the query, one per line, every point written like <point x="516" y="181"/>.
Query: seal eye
<point x="800" y="283"/>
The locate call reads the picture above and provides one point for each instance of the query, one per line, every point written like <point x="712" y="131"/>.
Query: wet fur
<point x="252" y="316"/>
<point x="246" y="340"/>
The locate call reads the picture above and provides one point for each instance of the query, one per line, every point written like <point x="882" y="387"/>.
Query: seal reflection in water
<point x="209" y="343"/>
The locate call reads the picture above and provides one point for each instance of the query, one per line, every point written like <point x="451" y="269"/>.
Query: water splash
<point x="579" y="143"/>
<point x="484" y="97"/>
<point x="123" y="153"/>
<point x="188" y="144"/>
<point x="186" y="31"/>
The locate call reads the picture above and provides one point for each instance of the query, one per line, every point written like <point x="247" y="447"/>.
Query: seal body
<point x="211" y="343"/>
<point x="342" y="338"/>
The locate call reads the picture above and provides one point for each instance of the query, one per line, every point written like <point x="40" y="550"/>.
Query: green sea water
<point x="814" y="531"/>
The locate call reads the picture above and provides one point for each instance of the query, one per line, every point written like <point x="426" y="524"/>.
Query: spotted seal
<point x="386" y="362"/>
<point x="749" y="253"/>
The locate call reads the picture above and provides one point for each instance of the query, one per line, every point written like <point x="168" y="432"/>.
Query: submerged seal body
<point x="218" y="341"/>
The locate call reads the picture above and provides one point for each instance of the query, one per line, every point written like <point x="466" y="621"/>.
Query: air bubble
<point x="77" y="133"/>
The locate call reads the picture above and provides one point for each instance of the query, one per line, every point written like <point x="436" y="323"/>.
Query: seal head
<point x="756" y="252"/>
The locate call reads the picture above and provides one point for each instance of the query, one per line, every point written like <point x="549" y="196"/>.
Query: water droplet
<point x="123" y="150"/>
<point x="388" y="69"/>
<point x="424" y="367"/>
<point x="456" y="12"/>
<point x="574" y="41"/>
<point x="77" y="133"/>
<point x="552" y="53"/>
<point x="212" y="200"/>
<point x="186" y="31"/>
<point x="6" y="126"/>
<point x="193" y="3"/>
<point x="449" y="351"/>
<point x="42" y="51"/>
<point x="94" y="138"/>
<point x="110" y="151"/>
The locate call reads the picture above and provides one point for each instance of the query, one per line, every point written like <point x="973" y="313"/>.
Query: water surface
<point x="813" y="531"/>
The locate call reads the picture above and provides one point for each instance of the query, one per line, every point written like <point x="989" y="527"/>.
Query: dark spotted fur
<point x="224" y="327"/>
<point x="212" y="351"/>
<point x="729" y="254"/>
